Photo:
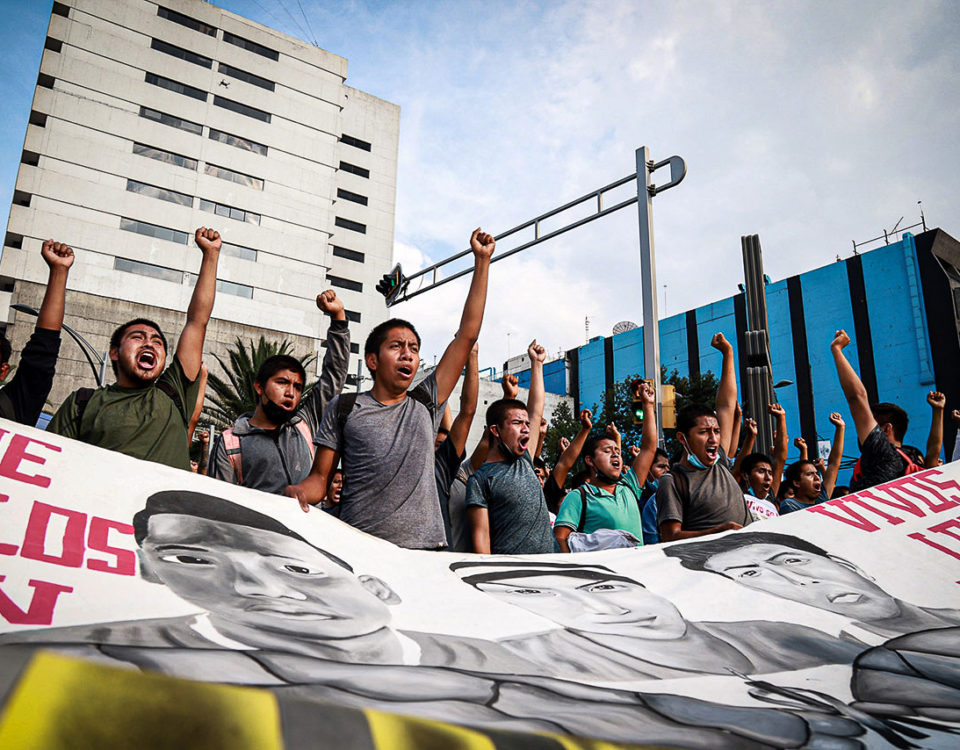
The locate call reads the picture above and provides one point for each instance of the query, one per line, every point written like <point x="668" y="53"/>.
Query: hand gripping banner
<point x="177" y="606"/>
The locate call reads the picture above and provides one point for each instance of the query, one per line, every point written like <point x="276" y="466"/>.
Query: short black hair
<point x="6" y="349"/>
<point x="539" y="463"/>
<point x="118" y="335"/>
<point x="497" y="411"/>
<point x="689" y="415"/>
<point x="794" y="470"/>
<point x="695" y="555"/>
<point x="378" y="335"/>
<point x="590" y="447"/>
<point x="272" y="365"/>
<point x="748" y="463"/>
<point x="213" y="508"/>
<point x="506" y="570"/>
<point x="661" y="453"/>
<point x="886" y="412"/>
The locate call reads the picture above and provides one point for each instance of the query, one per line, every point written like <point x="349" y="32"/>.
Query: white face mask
<point x="692" y="458"/>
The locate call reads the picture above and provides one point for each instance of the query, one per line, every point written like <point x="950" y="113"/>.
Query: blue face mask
<point x="696" y="461"/>
<point x="750" y="490"/>
<point x="653" y="484"/>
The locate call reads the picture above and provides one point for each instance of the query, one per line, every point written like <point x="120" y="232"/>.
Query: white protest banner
<point x="837" y="626"/>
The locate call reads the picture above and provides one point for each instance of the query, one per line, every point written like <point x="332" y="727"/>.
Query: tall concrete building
<point x="153" y="118"/>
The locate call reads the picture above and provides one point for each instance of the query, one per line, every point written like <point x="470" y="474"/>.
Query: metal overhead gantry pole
<point x="396" y="287"/>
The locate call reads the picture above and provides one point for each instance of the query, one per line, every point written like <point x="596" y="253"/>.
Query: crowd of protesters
<point x="393" y="462"/>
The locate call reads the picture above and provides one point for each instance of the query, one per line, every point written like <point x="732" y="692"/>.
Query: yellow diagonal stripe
<point x="62" y="704"/>
<point x="407" y="733"/>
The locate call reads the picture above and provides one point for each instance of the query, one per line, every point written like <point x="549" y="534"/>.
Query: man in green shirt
<point x="145" y="413"/>
<point x="611" y="497"/>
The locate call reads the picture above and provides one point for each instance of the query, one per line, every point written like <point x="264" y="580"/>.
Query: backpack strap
<point x="345" y="404"/>
<point x="417" y="394"/>
<point x="80" y="400"/>
<point x="304" y="429"/>
<point x="583" y="509"/>
<point x="164" y="386"/>
<point x="232" y="445"/>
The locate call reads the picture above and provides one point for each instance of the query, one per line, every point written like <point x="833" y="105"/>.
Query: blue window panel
<point x="717" y="317"/>
<point x="897" y="339"/>
<point x="628" y="355"/>
<point x="592" y="376"/>
<point x="555" y="376"/>
<point x="673" y="344"/>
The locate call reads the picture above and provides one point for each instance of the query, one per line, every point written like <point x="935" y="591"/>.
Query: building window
<point x="355" y="142"/>
<point x="174" y="122"/>
<point x="242" y="75"/>
<point x="355" y="197"/>
<point x="238" y="251"/>
<point x="353" y="317"/>
<point x="152" y="230"/>
<point x="54" y="45"/>
<point x="353" y="286"/>
<point x="229" y="287"/>
<point x="242" y="109"/>
<point x="353" y="226"/>
<point x="152" y="191"/>
<point x="181" y="53"/>
<point x="148" y="269"/>
<point x="259" y="49"/>
<point x="190" y="23"/>
<point x="354" y="169"/>
<point x="342" y="252"/>
<point x="176" y="86"/>
<point x="229" y="212"/>
<point x="239" y="177"/>
<point x="169" y="157"/>
<point x="59" y="9"/>
<point x="238" y="142"/>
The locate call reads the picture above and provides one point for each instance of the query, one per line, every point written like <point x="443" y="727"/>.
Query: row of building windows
<point x="346" y="166"/>
<point x="182" y="238"/>
<point x="181" y="53"/>
<point x="353" y="286"/>
<point x="182" y="199"/>
<point x="355" y="142"/>
<point x="229" y="212"/>
<point x="354" y="197"/>
<point x="205" y="28"/>
<point x="343" y="252"/>
<point x="200" y="95"/>
<point x="177" y="277"/>
<point x="197" y="129"/>
<point x="353" y="226"/>
<point x="151" y="152"/>
<point x="229" y="174"/>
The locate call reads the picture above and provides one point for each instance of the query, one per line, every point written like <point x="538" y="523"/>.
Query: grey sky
<point x="810" y="124"/>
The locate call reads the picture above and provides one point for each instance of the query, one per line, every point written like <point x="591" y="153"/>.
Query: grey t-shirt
<point x="715" y="498"/>
<point x="511" y="493"/>
<point x="459" y="528"/>
<point x="389" y="489"/>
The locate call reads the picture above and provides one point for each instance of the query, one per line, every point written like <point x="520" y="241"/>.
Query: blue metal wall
<point x="897" y="325"/>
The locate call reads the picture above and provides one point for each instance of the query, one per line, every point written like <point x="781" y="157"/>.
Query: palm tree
<point x="230" y="398"/>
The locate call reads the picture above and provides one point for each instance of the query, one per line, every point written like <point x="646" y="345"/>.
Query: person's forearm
<point x="727" y="399"/>
<point x="569" y="457"/>
<point x="935" y="439"/>
<point x="480" y="534"/>
<point x="833" y="460"/>
<point x="560" y="533"/>
<point x="537" y="396"/>
<point x="804" y="455"/>
<point x="51" y="309"/>
<point x="472" y="316"/>
<point x="471" y="386"/>
<point x="781" y="448"/>
<point x="735" y="451"/>
<point x="205" y="291"/>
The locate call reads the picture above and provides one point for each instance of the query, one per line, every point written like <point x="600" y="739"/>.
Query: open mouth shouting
<point x="147" y="359"/>
<point x="712" y="451"/>
<point x="406" y="371"/>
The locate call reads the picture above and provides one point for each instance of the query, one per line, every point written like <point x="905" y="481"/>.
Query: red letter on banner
<point x="98" y="539"/>
<point x="17" y="453"/>
<point x="34" y="539"/>
<point x="41" y="607"/>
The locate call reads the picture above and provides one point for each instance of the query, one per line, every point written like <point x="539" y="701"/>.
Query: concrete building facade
<point x="151" y="119"/>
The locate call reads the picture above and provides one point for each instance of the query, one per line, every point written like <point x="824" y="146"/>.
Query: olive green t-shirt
<point x="140" y="422"/>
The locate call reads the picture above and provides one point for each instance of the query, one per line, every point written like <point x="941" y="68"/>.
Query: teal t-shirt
<point x="619" y="510"/>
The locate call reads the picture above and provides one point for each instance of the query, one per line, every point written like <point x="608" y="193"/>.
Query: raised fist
<point x="482" y="244"/>
<point x="720" y="343"/>
<point x="751" y="424"/>
<point x="840" y="339"/>
<point x="564" y="444"/>
<point x="776" y="410"/>
<point x="646" y="393"/>
<point x="330" y="303"/>
<point x="836" y="419"/>
<point x="955" y="416"/>
<point x="634" y="451"/>
<point x="510" y="386"/>
<point x="57" y="254"/>
<point x="612" y="431"/>
<point x="936" y="399"/>
<point x="536" y="352"/>
<point x="800" y="443"/>
<point x="586" y="419"/>
<point x="208" y="240"/>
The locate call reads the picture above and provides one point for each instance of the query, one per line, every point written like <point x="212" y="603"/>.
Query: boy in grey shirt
<point x="386" y="435"/>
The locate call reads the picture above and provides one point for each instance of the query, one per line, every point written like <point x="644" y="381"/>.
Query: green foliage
<point x="228" y="399"/>
<point x="563" y="423"/>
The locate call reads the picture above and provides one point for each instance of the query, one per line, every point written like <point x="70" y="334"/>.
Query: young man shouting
<point x="273" y="447"/>
<point x="145" y="413"/>
<point x="386" y="435"/>
<point x="506" y="510"/>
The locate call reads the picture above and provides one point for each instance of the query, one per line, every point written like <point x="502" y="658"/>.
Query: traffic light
<point x="636" y="410"/>
<point x="668" y="412"/>
<point x="392" y="285"/>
